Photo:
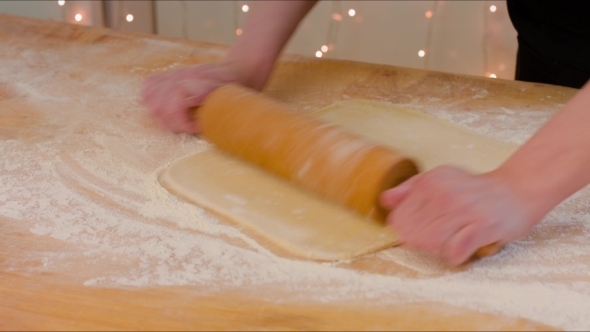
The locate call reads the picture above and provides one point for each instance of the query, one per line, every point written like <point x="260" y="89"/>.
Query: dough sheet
<point x="304" y="224"/>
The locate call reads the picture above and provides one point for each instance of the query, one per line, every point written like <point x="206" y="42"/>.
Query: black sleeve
<point x="553" y="39"/>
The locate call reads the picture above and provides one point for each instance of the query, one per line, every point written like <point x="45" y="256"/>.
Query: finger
<point x="390" y="198"/>
<point x="150" y="88"/>
<point x="429" y="209"/>
<point x="194" y="116"/>
<point x="433" y="237"/>
<point x="195" y="92"/>
<point x="404" y="218"/>
<point x="438" y="196"/>
<point x="157" y="103"/>
<point x="418" y="208"/>
<point x="181" y="122"/>
<point x="463" y="244"/>
<point x="176" y="118"/>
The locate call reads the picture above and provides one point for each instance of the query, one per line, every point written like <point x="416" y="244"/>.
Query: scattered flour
<point x="510" y="129"/>
<point x="480" y="94"/>
<point x="88" y="177"/>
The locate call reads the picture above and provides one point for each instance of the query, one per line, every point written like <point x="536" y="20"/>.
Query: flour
<point x="527" y="122"/>
<point x="89" y="179"/>
<point x="236" y="199"/>
<point x="417" y="261"/>
<point x="480" y="94"/>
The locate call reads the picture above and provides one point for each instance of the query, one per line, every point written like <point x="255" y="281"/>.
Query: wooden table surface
<point x="84" y="244"/>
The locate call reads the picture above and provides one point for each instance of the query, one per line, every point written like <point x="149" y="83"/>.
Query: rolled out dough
<point x="304" y="224"/>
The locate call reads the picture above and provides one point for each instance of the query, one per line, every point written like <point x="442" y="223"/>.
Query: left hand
<point x="170" y="96"/>
<point x="451" y="213"/>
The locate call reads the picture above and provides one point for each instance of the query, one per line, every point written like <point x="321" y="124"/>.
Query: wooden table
<point x="86" y="242"/>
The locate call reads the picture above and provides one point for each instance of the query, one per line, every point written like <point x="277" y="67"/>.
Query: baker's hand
<point x="170" y="96"/>
<point x="451" y="213"/>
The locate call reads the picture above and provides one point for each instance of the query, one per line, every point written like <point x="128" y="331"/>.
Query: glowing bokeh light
<point x="337" y="17"/>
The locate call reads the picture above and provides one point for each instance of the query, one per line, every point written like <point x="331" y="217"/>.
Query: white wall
<point x="92" y="11"/>
<point x="48" y="10"/>
<point x="210" y="21"/>
<point x="386" y="32"/>
<point x="141" y="11"/>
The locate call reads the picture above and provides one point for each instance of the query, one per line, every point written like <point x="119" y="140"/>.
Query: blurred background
<point x="466" y="37"/>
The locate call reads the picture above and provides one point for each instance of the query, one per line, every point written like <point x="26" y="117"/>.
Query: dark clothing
<point x="553" y="41"/>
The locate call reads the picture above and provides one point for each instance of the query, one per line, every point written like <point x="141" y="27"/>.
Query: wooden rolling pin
<point x="320" y="157"/>
<point x="317" y="156"/>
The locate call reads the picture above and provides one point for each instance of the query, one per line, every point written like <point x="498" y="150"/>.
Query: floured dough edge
<point x="278" y="246"/>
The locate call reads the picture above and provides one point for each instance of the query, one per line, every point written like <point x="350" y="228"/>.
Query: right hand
<point x="451" y="213"/>
<point x="170" y="96"/>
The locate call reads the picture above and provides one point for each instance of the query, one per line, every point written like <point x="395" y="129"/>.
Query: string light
<point x="333" y="29"/>
<point x="337" y="17"/>
<point x="429" y="32"/>
<point x="184" y="24"/>
<point x="486" y="65"/>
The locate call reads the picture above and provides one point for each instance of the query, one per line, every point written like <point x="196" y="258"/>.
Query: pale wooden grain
<point x="56" y="299"/>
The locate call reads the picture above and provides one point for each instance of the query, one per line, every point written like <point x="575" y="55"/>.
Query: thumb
<point x="390" y="198"/>
<point x="195" y="91"/>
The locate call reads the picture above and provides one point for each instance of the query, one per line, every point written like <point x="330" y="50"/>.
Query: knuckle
<point x="391" y="219"/>
<point x="459" y="252"/>
<point x="438" y="174"/>
<point x="451" y="257"/>
<point x="409" y="244"/>
<point x="429" y="181"/>
<point x="178" y="86"/>
<point x="433" y="243"/>
<point x="443" y="169"/>
<point x="403" y="233"/>
<point x="401" y="222"/>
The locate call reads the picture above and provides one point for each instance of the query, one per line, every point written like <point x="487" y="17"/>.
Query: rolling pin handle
<point x="489" y="250"/>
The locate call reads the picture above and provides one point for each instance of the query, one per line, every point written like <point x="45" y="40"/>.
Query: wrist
<point x="535" y="202"/>
<point x="252" y="70"/>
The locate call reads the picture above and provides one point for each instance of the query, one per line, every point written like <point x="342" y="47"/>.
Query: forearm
<point x="268" y="27"/>
<point x="555" y="162"/>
